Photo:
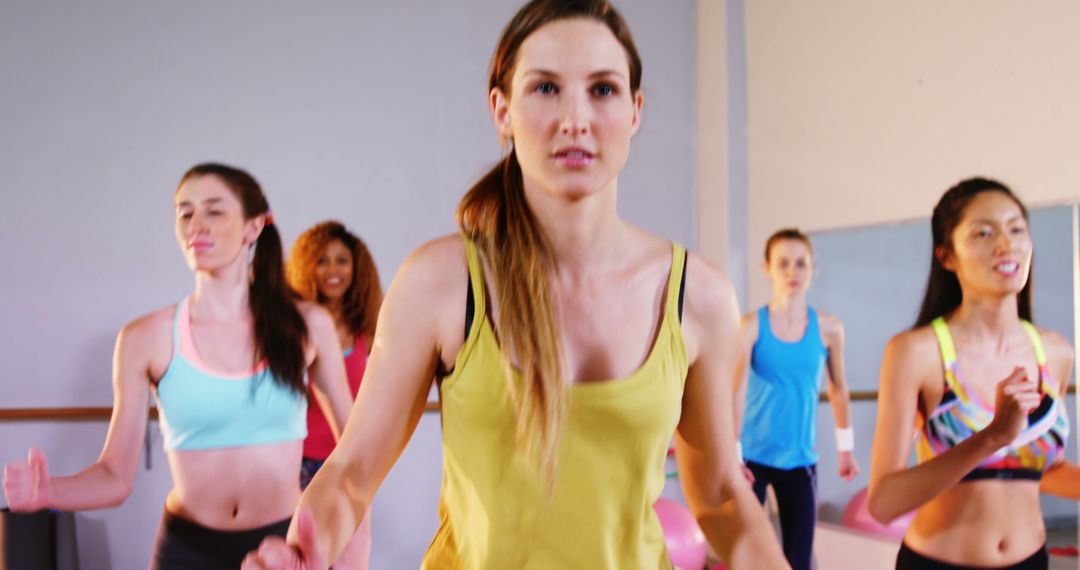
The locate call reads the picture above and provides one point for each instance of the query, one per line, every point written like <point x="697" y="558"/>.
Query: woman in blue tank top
<point x="786" y="348"/>
<point x="229" y="367"/>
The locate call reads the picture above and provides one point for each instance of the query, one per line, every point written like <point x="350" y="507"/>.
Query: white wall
<point x="865" y="112"/>
<point x="370" y="112"/>
<point x="845" y="114"/>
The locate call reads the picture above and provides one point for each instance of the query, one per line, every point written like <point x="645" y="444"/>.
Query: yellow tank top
<point x="495" y="511"/>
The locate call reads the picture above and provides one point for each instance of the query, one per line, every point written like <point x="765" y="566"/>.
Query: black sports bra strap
<point x="470" y="309"/>
<point x="682" y="283"/>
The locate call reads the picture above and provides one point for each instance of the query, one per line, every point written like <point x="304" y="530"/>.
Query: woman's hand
<point x="747" y="474"/>
<point x="1016" y="397"/>
<point x="276" y="554"/>
<point x="849" y="468"/>
<point x="26" y="483"/>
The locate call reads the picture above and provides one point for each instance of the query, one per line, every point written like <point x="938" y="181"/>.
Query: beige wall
<point x="864" y="112"/>
<point x="712" y="207"/>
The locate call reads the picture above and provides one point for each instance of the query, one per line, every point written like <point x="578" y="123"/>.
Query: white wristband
<point x="845" y="439"/>
<point x="738" y="451"/>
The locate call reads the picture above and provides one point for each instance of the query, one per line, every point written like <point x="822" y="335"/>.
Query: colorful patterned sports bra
<point x="961" y="414"/>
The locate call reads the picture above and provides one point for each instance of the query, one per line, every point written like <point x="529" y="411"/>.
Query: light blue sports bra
<point x="203" y="409"/>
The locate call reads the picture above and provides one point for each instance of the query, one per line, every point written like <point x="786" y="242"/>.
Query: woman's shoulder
<point x="314" y="314"/>
<point x="432" y="279"/>
<point x="437" y="263"/>
<point x="444" y="251"/>
<point x="917" y="342"/>
<point x="150" y="331"/>
<point x="1057" y="347"/>
<point x="830" y="325"/>
<point x="709" y="292"/>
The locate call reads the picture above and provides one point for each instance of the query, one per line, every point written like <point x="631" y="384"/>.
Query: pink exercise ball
<point x="685" y="542"/>
<point x="857" y="516"/>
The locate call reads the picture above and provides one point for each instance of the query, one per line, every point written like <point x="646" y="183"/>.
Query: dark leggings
<point x="908" y="559"/>
<point x="796" y="491"/>
<point x="308" y="468"/>
<point x="182" y="544"/>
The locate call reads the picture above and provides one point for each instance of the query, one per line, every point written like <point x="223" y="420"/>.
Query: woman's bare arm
<point x="720" y="498"/>
<point x="141" y="353"/>
<point x="327" y="368"/>
<point x="425" y="302"/>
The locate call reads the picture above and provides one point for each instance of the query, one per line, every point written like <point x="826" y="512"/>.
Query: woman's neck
<point x="223" y="293"/>
<point x="986" y="317"/>
<point x="582" y="233"/>
<point x="788" y="305"/>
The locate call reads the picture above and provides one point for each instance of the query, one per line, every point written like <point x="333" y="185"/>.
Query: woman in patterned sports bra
<point x="983" y="389"/>
<point x="569" y="346"/>
<point x="229" y="367"/>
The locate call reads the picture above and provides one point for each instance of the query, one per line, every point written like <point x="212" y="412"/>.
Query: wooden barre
<point x="104" y="413"/>
<point x="84" y="414"/>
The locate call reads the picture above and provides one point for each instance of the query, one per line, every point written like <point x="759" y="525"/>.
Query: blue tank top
<point x="202" y="409"/>
<point x="782" y="396"/>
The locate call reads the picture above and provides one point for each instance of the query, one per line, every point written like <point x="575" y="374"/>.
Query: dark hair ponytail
<point x="943" y="294"/>
<point x="279" y="328"/>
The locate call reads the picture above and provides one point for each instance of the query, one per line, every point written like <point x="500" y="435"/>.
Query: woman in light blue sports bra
<point x="229" y="367"/>
<point x="982" y="390"/>
<point x="786" y="349"/>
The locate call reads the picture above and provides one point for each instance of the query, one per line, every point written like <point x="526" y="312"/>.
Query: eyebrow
<point x="594" y="75"/>
<point x="189" y="204"/>
<point x="992" y="222"/>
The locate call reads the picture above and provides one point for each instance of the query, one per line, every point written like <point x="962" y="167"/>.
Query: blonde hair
<point x="496" y="216"/>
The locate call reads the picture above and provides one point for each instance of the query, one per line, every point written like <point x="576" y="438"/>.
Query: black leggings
<point x="796" y="491"/>
<point x="908" y="559"/>
<point x="182" y="544"/>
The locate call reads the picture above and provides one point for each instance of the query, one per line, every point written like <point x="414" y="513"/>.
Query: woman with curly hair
<point x="333" y="267"/>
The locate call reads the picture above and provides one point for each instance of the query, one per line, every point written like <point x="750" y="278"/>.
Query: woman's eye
<point x="545" y="88"/>
<point x="604" y="90"/>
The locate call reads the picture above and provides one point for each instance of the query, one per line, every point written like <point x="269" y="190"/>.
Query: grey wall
<point x="873" y="279"/>
<point x="370" y="112"/>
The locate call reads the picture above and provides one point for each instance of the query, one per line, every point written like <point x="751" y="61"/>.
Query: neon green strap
<point x="944" y="339"/>
<point x="1036" y="342"/>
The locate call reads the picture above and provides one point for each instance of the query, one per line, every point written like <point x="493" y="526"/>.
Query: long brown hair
<point x="360" y="305"/>
<point x="496" y="216"/>
<point x="943" y="294"/>
<point x="280" y="331"/>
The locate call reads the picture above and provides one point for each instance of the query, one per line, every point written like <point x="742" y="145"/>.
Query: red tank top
<point x="320" y="439"/>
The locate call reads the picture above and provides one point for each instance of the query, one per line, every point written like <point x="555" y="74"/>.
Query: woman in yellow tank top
<point x="569" y="345"/>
